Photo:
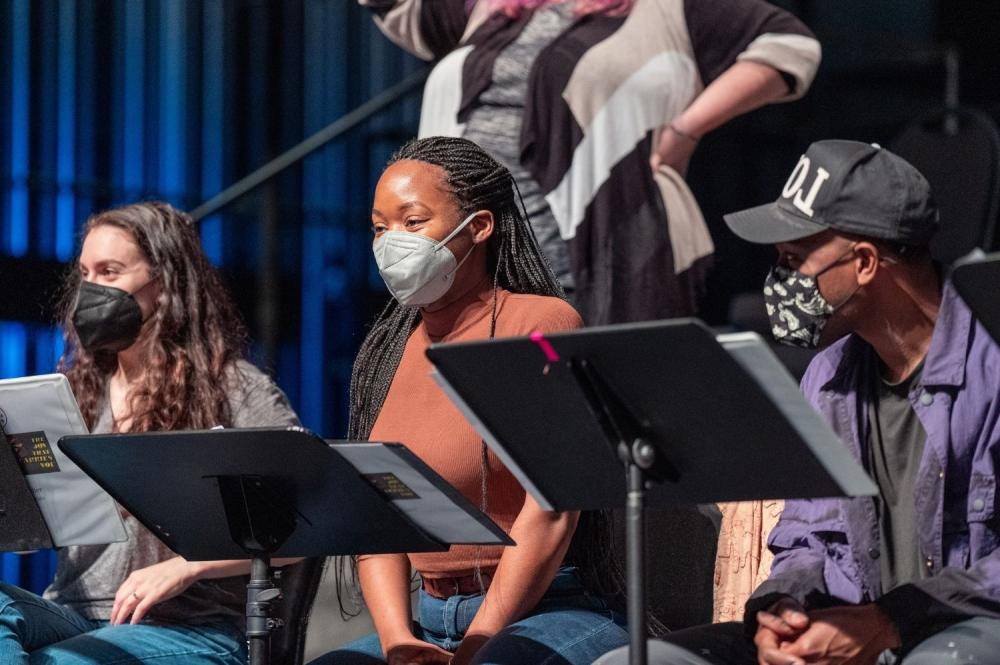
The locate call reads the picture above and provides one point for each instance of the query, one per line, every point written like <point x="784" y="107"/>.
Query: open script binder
<point x="35" y="412"/>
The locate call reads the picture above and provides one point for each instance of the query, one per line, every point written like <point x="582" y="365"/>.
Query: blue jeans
<point x="34" y="631"/>
<point x="568" y="627"/>
<point x="971" y="642"/>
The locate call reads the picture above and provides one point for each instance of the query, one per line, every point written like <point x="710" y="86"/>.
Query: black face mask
<point x="106" y="318"/>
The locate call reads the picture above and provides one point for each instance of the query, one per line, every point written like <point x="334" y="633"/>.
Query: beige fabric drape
<point x="743" y="560"/>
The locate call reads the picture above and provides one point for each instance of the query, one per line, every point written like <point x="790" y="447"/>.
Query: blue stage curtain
<point x="104" y="102"/>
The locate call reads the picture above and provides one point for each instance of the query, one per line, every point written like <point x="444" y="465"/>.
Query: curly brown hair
<point x="196" y="331"/>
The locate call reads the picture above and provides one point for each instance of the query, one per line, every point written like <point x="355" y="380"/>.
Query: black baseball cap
<point x="845" y="186"/>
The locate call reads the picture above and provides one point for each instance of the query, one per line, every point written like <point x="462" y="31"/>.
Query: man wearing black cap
<point x="911" y="383"/>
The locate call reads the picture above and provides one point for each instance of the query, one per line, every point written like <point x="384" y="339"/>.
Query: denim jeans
<point x="34" y="631"/>
<point x="568" y="627"/>
<point x="974" y="641"/>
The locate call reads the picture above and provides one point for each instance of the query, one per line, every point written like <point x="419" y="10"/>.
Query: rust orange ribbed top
<point x="417" y="413"/>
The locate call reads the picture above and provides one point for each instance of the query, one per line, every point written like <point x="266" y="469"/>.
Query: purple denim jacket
<point x="826" y="550"/>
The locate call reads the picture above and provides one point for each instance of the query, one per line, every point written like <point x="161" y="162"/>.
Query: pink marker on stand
<point x="546" y="346"/>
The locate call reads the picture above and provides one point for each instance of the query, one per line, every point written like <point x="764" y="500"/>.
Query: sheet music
<point x="36" y="412"/>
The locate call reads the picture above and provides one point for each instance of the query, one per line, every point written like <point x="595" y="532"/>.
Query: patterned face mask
<point x="797" y="310"/>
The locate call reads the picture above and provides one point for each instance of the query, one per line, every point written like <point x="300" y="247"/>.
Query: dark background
<point x="104" y="102"/>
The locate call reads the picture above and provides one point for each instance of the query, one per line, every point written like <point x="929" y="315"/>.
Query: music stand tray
<point x="977" y="279"/>
<point x="277" y="492"/>
<point x="693" y="420"/>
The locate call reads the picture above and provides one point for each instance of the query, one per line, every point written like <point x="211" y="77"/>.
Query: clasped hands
<point x="413" y="651"/>
<point x="847" y="635"/>
<point x="417" y="652"/>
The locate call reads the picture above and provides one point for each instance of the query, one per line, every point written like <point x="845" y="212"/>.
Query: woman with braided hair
<point x="459" y="258"/>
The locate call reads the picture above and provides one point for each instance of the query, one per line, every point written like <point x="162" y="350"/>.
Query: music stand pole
<point x="635" y="548"/>
<point x="626" y="436"/>
<point x="259" y="522"/>
<point x="260" y="592"/>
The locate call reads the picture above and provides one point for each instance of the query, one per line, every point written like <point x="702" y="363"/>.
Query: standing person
<point x="154" y="343"/>
<point x="459" y="259"/>
<point x="596" y="106"/>
<point x="910" y="381"/>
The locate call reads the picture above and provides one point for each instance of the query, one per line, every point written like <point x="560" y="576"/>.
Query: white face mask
<point x="417" y="270"/>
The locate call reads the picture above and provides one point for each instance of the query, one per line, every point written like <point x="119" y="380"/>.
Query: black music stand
<point x="691" y="421"/>
<point x="274" y="492"/>
<point x="977" y="279"/>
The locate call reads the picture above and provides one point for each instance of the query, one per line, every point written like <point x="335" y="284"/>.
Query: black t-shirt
<point x="895" y="445"/>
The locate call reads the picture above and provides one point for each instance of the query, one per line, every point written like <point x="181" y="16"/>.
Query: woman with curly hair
<point x="153" y="343"/>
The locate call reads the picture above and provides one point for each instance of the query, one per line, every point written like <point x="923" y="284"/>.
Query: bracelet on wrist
<point x="690" y="137"/>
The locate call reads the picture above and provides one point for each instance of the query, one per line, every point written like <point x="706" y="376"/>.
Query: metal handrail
<point x="296" y="153"/>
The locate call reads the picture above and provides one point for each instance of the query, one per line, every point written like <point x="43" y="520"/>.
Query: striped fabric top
<point x="597" y="96"/>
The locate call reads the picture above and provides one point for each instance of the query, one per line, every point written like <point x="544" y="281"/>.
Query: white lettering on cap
<point x="797" y="178"/>
<point x="794" y="186"/>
